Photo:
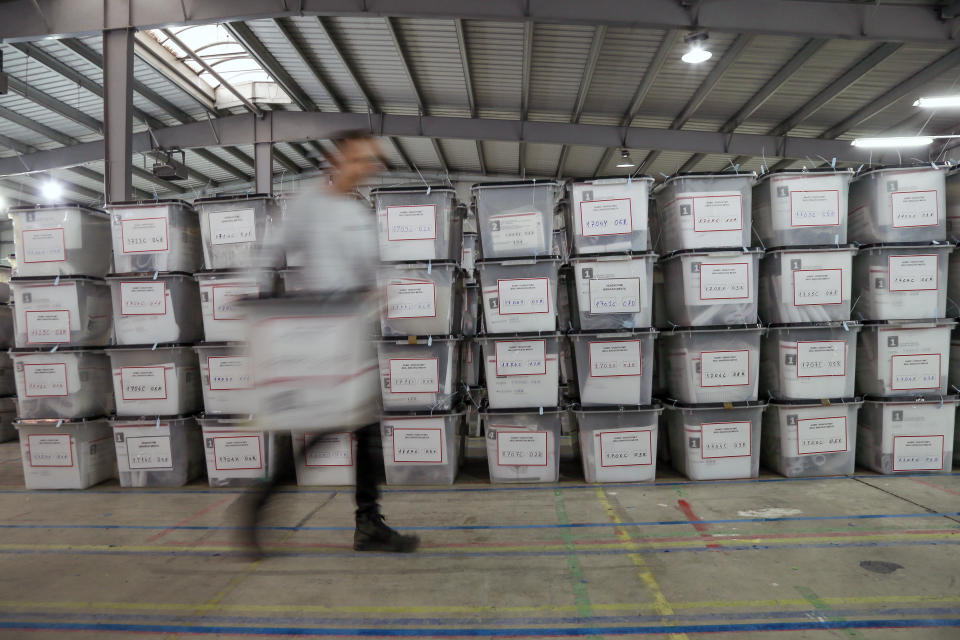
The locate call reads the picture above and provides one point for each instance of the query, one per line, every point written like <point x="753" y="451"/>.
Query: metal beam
<point x="286" y="31"/>
<point x="525" y="90"/>
<point x="50" y="103"/>
<point x="468" y="85"/>
<point x="177" y="72"/>
<point x="252" y="44"/>
<point x="118" y="105"/>
<point x="586" y="79"/>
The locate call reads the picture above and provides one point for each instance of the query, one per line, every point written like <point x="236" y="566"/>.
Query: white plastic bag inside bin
<point x="157" y="235"/>
<point x="416" y="223"/>
<point x="619" y="444"/>
<point x="706" y="288"/>
<point x="905" y="358"/>
<point x="519" y="295"/>
<point x="909" y="435"/>
<point x="165" y="452"/>
<point x="522" y="371"/>
<point x="156" y="308"/>
<point x="898" y="204"/>
<point x="516" y="218"/>
<point x="816" y="360"/>
<point x="523" y="446"/>
<point x="67" y="383"/>
<point x="801" y="207"/>
<point x="809" y="439"/>
<point x="614" y="368"/>
<point x="225" y="378"/>
<point x="712" y="364"/>
<point x="806" y="285"/>
<point x="421" y="448"/>
<point x="53" y="240"/>
<point x="609" y="214"/>
<point x="71" y="454"/>
<point x="614" y="292"/>
<point x="330" y="460"/>
<point x="714" y="441"/>
<point x="223" y="318"/>
<point x="698" y="211"/>
<point x="902" y="282"/>
<point x="71" y="311"/>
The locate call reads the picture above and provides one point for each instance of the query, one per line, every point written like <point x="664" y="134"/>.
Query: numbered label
<point x="331" y="450"/>
<point x="234" y="453"/>
<point x="606" y="217"/>
<point x="823" y="358"/>
<point x="233" y="227"/>
<point x="613" y="359"/>
<point x="143" y="383"/>
<point x="522" y="448"/>
<point x="418" y="445"/>
<point x="523" y="296"/>
<point x="725" y="281"/>
<point x="412" y="300"/>
<point x="717" y="213"/>
<point x="815" y="208"/>
<point x="918" y="453"/>
<point x="817" y="286"/>
<point x="50" y="450"/>
<point x="225" y="297"/>
<point x="516" y="232"/>
<point x="149" y="452"/>
<point x="914" y="273"/>
<point x="412" y="223"/>
<point x="918" y="371"/>
<point x="43" y="245"/>
<point x="821" y="435"/>
<point x="521" y="358"/>
<point x="625" y="448"/>
<point x="726" y="439"/>
<point x="228" y="373"/>
<point x="724" y="368"/>
<point x="143" y="235"/>
<point x="143" y="298"/>
<point x="614" y="295"/>
<point x="915" y="208"/>
<point x="45" y="380"/>
<point x="415" y="375"/>
<point x="47" y="327"/>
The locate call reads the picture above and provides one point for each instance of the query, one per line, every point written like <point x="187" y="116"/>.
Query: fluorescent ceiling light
<point x="895" y="142"/>
<point x="626" y="161"/>
<point x="936" y="102"/>
<point x="51" y="191"/>
<point x="696" y="55"/>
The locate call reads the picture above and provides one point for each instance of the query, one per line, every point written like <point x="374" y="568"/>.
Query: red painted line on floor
<point x="936" y="486"/>
<point x="206" y="509"/>
<point x="701" y="528"/>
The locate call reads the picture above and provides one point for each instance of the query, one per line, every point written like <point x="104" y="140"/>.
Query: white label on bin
<point x="227" y="373"/>
<point x="521" y="357"/>
<point x="232" y="227"/>
<point x="915" y="371"/>
<point x="821" y="435"/>
<point x="412" y="300"/>
<point x="606" y="217"/>
<point x="817" y="286"/>
<point x="149" y="452"/>
<point x="141" y="235"/>
<point x="717" y="213"/>
<point x="915" y="208"/>
<point x="44" y="380"/>
<point x="143" y="298"/>
<point x="726" y="440"/>
<point x="918" y="453"/>
<point x="50" y="450"/>
<point x="815" y="208"/>
<point x="725" y="281"/>
<point x="43" y="245"/>
<point x="614" y="295"/>
<point x="237" y="452"/>
<point x="517" y="231"/>
<point x="415" y="375"/>
<point x="626" y="448"/>
<point x="144" y="383"/>
<point x="418" y="444"/>
<point x="523" y="296"/>
<point x="613" y="359"/>
<point x="416" y="222"/>
<point x="914" y="272"/>
<point x="521" y="448"/>
<point x="47" y="327"/>
<point x="225" y="298"/>
<point x="816" y="359"/>
<point x="331" y="450"/>
<point x="724" y="368"/>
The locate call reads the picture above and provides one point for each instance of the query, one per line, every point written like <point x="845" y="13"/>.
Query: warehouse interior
<point x="113" y="111"/>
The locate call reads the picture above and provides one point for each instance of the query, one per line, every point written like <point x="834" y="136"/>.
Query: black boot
<point x="373" y="534"/>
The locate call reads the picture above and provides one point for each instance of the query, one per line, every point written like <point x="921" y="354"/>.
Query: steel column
<point x="118" y="107"/>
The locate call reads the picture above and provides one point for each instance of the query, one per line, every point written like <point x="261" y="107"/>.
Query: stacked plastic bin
<point x="520" y="344"/>
<point x="901" y="278"/>
<point x="421" y="248"/>
<point x="613" y="342"/>
<point x="710" y="339"/>
<point x="60" y="324"/>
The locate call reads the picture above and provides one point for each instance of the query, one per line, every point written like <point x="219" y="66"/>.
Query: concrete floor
<point x="851" y="558"/>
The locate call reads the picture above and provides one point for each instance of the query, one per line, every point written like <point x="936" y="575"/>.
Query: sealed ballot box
<point x="150" y="307"/>
<point x="903" y="358"/>
<point x="66" y="383"/>
<point x="796" y="208"/>
<point x="902" y="281"/>
<point x="712" y="364"/>
<point x="522" y="370"/>
<point x="418" y="373"/>
<point x="237" y="453"/>
<point x="618" y="444"/>
<point x="708" y="288"/>
<point x="161" y="451"/>
<point x="71" y="311"/>
<point x="325" y="459"/>
<point x="421" y="448"/>
<point x="715" y="441"/>
<point x="236" y="228"/>
<point x="614" y="291"/>
<point x="805" y="438"/>
<point x="614" y="367"/>
<point x="704" y="210"/>
<point x="806" y="284"/>
<point x="61" y="240"/>
<point x="898" y="204"/>
<point x="225" y="378"/>
<point x="419" y="298"/>
<point x="220" y="291"/>
<point x="519" y="295"/>
<point x="65" y="454"/>
<point x="907" y="435"/>
<point x="812" y="360"/>
<point x="155" y="235"/>
<point x="523" y="446"/>
<point x="609" y="214"/>
<point x="515" y="219"/>
<point x="417" y="223"/>
<point x="158" y="380"/>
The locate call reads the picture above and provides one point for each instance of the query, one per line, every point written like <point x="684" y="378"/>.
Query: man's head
<point x="358" y="157"/>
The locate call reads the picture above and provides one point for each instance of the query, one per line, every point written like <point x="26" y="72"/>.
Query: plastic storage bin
<point x="715" y="441"/>
<point x="519" y="295"/>
<point x="161" y="308"/>
<point x="806" y="285"/>
<point x="901" y="282"/>
<point x="521" y="370"/>
<point x="903" y="358"/>
<point x="235" y="228"/>
<point x="65" y="454"/>
<point x="710" y="288"/>
<point x="808" y="207"/>
<point x="614" y="291"/>
<point x="237" y="455"/>
<point x="155" y="235"/>
<point x="522" y="446"/>
<point x="164" y="451"/>
<point x="6" y="326"/>
<point x="329" y="461"/>
<point x="70" y="312"/>
<point x="898" y="204"/>
<point x="803" y="439"/>
<point x="417" y="223"/>
<point x="419" y="298"/>
<point x="61" y="239"/>
<point x="614" y="368"/>
<point x="418" y="373"/>
<point x="912" y="435"/>
<point x="816" y="360"/>
<point x="421" y="448"/>
<point x="704" y="210"/>
<point x="609" y="214"/>
<point x="160" y="381"/>
<point x="619" y="444"/>
<point x="67" y="383"/>
<point x="225" y="378"/>
<point x="712" y="364"/>
<point x="515" y="219"/>
<point x="223" y="318"/>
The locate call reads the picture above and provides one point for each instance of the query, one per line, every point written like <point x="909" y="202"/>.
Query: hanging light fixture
<point x="697" y="53"/>
<point x="51" y="191"/>
<point x="626" y="162"/>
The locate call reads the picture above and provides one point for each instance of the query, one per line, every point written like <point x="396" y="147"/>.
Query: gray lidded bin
<point x="421" y="448"/>
<point x="235" y="229"/>
<point x="709" y="288"/>
<point x="521" y="371"/>
<point x="65" y="454"/>
<point x="716" y="441"/>
<point x="806" y="284"/>
<point x="67" y="383"/>
<point x="614" y="368"/>
<point x="805" y="439"/>
<point x="907" y="435"/>
<point x="704" y="210"/>
<point x="809" y="207"/>
<point x="150" y="308"/>
<point x="72" y="311"/>
<point x="619" y="444"/>
<point x="61" y="239"/>
<point x="609" y="214"/>
<point x="418" y="373"/>
<point x="225" y="378"/>
<point x="712" y="364"/>
<point x="901" y="281"/>
<point x="614" y="291"/>
<point x="419" y="298"/>
<point x="519" y="295"/>
<point x="523" y="446"/>
<point x="515" y="219"/>
<point x="223" y="318"/>
<point x="898" y="204"/>
<point x="155" y="381"/>
<point x="162" y="451"/>
<point x="237" y="454"/>
<point x="417" y="223"/>
<point x="155" y="235"/>
<point x="815" y="360"/>
<point x="8" y="414"/>
<point x="903" y="358"/>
